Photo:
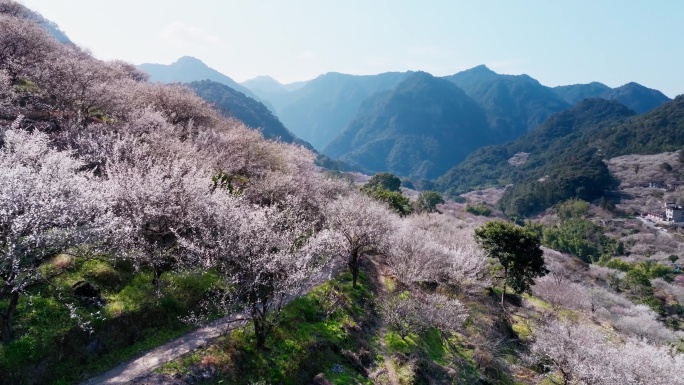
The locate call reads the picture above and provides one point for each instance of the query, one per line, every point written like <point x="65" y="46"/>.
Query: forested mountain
<point x="575" y="93"/>
<point x="321" y="109"/>
<point x="558" y="152"/>
<point x="633" y="95"/>
<point x="566" y="153"/>
<point x="419" y="129"/>
<point x="189" y="69"/>
<point x="514" y="104"/>
<point x="659" y="130"/>
<point x="637" y="97"/>
<point x="247" y="110"/>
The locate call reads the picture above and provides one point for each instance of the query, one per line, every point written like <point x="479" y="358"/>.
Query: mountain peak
<point x="188" y="59"/>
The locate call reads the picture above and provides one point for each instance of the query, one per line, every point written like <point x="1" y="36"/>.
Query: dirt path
<point x="129" y="371"/>
<point x="391" y="373"/>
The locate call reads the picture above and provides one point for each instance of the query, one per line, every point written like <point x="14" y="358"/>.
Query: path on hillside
<point x="391" y="373"/>
<point x="127" y="372"/>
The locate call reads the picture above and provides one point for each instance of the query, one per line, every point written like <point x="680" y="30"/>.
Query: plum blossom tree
<point x="361" y="225"/>
<point x="47" y="206"/>
<point x="264" y="255"/>
<point x="23" y="44"/>
<point x="153" y="195"/>
<point x="432" y="248"/>
<point x="407" y="313"/>
<point x="580" y="354"/>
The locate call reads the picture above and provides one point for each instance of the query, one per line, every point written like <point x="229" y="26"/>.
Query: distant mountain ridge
<point x="265" y="86"/>
<point x="418" y="129"/>
<point x="325" y="106"/>
<point x="635" y="96"/>
<point x="189" y="69"/>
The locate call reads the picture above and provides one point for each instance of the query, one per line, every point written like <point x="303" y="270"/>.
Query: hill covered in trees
<point x="132" y="211"/>
<point x="515" y="104"/>
<point x="633" y="95"/>
<point x="563" y="158"/>
<point x="554" y="157"/>
<point x="245" y="109"/>
<point x="419" y="129"/>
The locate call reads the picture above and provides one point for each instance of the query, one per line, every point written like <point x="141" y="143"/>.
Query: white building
<point x="674" y="213"/>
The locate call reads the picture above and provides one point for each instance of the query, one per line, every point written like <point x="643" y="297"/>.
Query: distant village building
<point x="673" y="186"/>
<point x="674" y="213"/>
<point x="657" y="184"/>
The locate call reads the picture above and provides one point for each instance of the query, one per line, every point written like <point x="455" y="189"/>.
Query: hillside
<point x="575" y="93"/>
<point x="633" y="95"/>
<point x="559" y="146"/>
<point x="419" y="129"/>
<point x="660" y="130"/>
<point x="514" y="104"/>
<point x="245" y="109"/>
<point x="189" y="69"/>
<point x="322" y="108"/>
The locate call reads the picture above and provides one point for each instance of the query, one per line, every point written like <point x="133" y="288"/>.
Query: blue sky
<point x="556" y="42"/>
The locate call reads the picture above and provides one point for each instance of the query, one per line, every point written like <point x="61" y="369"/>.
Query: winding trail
<point x="391" y="372"/>
<point x="129" y="371"/>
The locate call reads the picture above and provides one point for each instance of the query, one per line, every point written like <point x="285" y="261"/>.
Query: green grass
<point x="305" y="344"/>
<point x="51" y="348"/>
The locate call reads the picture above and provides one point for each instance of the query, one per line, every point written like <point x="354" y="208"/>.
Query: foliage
<point x="385" y="187"/>
<point x="384" y="181"/>
<point x="516" y="249"/>
<point x="427" y="202"/>
<point x="582" y="238"/>
<point x="479" y="209"/>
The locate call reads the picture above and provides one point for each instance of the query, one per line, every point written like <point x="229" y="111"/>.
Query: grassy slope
<point x="347" y="346"/>
<point x="50" y="348"/>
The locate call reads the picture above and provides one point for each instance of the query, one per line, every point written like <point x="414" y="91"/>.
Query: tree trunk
<point x="503" y="291"/>
<point x="259" y="317"/>
<point x="6" y="318"/>
<point x="354" y="267"/>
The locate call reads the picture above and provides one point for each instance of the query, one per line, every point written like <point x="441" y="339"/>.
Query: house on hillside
<point x="656" y="184"/>
<point x="674" y="186"/>
<point x="655" y="216"/>
<point x="674" y="213"/>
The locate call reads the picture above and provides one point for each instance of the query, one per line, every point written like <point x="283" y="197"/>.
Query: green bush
<point x="479" y="209"/>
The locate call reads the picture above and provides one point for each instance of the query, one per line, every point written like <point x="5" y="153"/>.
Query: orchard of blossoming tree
<point x="131" y="212"/>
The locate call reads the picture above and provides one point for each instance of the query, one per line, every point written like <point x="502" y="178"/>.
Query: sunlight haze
<point x="558" y="43"/>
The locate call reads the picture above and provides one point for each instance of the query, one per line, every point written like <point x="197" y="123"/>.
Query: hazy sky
<point x="557" y="42"/>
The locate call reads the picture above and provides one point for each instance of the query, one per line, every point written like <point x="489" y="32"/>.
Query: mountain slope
<point x="575" y="93"/>
<point x="419" y="129"/>
<point x="188" y="69"/>
<point x="515" y="104"/>
<point x="547" y="164"/>
<point x="637" y="97"/>
<point x="266" y="86"/>
<point x="324" y="107"/>
<point x="251" y="112"/>
<point x="633" y="95"/>
<point x="19" y="10"/>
